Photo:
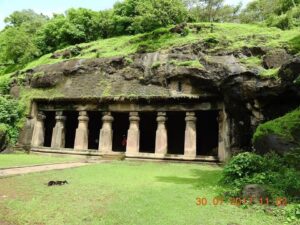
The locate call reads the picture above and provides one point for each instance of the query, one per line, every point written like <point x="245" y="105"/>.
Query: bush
<point x="243" y="165"/>
<point x="10" y="117"/>
<point x="279" y="175"/>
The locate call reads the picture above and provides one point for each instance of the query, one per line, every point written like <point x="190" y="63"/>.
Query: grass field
<point x="15" y="160"/>
<point x="122" y="193"/>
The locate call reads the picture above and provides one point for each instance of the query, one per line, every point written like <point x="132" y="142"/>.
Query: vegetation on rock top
<point x="283" y="126"/>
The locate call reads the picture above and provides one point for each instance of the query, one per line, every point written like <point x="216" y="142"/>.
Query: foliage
<point x="190" y="63"/>
<point x="294" y="44"/>
<point x="284" y="14"/>
<point x="212" y="10"/>
<point x="279" y="175"/>
<point x="143" y="16"/>
<point x="270" y="72"/>
<point x="243" y="165"/>
<point x="128" y="17"/>
<point x="10" y="116"/>
<point x="4" y="84"/>
<point x="17" y="46"/>
<point x="252" y="61"/>
<point x="283" y="126"/>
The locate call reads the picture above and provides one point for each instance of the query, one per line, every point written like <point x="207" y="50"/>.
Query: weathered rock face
<point x="272" y="142"/>
<point x="290" y="71"/>
<point x="276" y="58"/>
<point x="249" y="99"/>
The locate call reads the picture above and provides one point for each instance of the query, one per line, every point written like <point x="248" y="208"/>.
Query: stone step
<point x="113" y="157"/>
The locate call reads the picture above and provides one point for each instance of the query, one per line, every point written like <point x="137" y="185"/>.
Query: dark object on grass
<point x="57" y="183"/>
<point x="254" y="191"/>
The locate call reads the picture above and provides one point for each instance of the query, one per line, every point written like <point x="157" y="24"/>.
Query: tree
<point x="283" y="14"/>
<point x="58" y="33"/>
<point x="28" y="19"/>
<point x="212" y="10"/>
<point x="86" y="21"/>
<point x="17" y="46"/>
<point x="136" y="16"/>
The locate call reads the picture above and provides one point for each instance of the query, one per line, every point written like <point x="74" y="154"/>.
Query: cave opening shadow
<point x="207" y="133"/>
<point x="95" y="124"/>
<point x="148" y="126"/>
<point x="70" y="128"/>
<point x="120" y="127"/>
<point x="49" y="124"/>
<point x="176" y="129"/>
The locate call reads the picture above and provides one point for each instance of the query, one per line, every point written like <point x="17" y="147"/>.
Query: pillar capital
<point x="59" y="116"/>
<point x="134" y="116"/>
<point x="107" y="117"/>
<point x="190" y="117"/>
<point x="161" y="117"/>
<point x="41" y="116"/>
<point x="83" y="117"/>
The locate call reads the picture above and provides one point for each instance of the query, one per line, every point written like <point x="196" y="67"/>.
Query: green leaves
<point x="10" y="116"/>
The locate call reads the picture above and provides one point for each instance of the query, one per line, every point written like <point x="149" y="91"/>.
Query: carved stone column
<point x="58" y="134"/>
<point x="190" y="141"/>
<point x="106" y="133"/>
<point x="161" y="141"/>
<point x="223" y="149"/>
<point x="82" y="132"/>
<point x="38" y="135"/>
<point x="133" y="137"/>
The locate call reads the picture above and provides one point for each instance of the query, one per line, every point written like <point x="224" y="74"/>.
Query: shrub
<point x="243" y="165"/>
<point x="279" y="175"/>
<point x="10" y="117"/>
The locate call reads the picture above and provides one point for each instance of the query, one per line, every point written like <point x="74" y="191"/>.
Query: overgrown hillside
<point x="236" y="47"/>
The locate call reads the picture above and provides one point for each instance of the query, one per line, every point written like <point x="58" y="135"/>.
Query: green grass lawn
<point x="122" y="193"/>
<point x="13" y="160"/>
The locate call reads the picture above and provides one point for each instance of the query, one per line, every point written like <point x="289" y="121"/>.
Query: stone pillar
<point x="133" y="137"/>
<point x="58" y="134"/>
<point x="223" y="149"/>
<point x="82" y="132"/>
<point x="190" y="141"/>
<point x="38" y="135"/>
<point x="161" y="141"/>
<point x="106" y="133"/>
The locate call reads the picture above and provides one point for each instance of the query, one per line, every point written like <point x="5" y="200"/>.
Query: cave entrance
<point x="176" y="129"/>
<point x="120" y="128"/>
<point x="95" y="124"/>
<point x="71" y="126"/>
<point x="148" y="127"/>
<point x="49" y="124"/>
<point x="207" y="133"/>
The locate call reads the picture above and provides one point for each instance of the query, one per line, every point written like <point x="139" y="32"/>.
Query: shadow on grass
<point x="200" y="179"/>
